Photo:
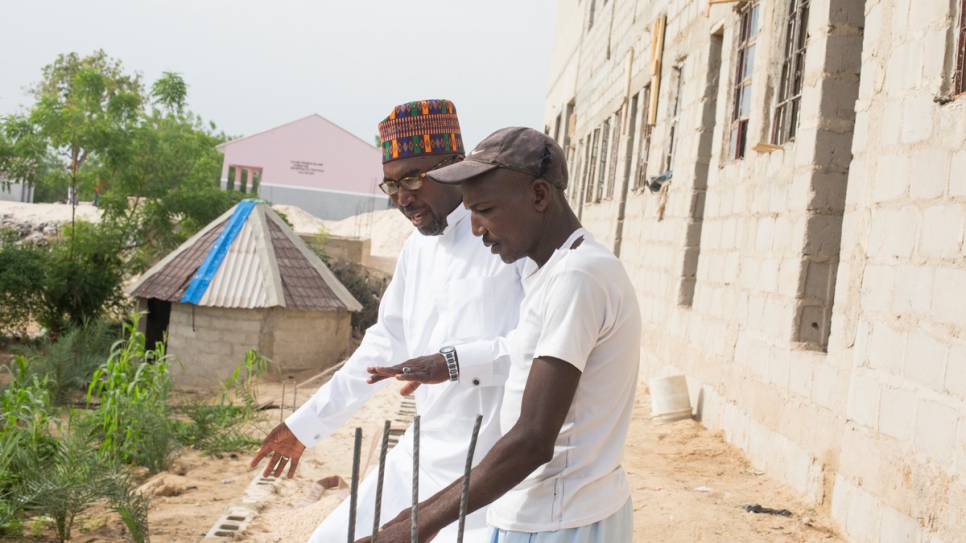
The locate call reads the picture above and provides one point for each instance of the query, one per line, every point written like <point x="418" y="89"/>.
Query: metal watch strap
<point x="449" y="354"/>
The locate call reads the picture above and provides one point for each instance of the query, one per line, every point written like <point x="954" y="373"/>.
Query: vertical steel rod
<point x="382" y="473"/>
<point x="281" y="404"/>
<point x="414" y="518"/>
<point x="465" y="497"/>
<point x="354" y="489"/>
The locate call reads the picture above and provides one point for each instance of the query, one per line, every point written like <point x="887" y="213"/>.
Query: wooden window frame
<point x="788" y="108"/>
<point x="675" y="118"/>
<point x="960" y="82"/>
<point x="615" y="148"/>
<point x="592" y="167"/>
<point x="746" y="48"/>
<point x="646" y="130"/>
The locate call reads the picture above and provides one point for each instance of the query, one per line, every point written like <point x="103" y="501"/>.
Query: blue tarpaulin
<point x="201" y="280"/>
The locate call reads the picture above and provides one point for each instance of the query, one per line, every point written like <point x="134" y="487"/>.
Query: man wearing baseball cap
<point x="442" y="321"/>
<point x="555" y="475"/>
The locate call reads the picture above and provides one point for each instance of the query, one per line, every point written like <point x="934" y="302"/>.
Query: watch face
<point x="447" y="350"/>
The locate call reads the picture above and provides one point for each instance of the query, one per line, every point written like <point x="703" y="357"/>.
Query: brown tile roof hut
<point x="246" y="281"/>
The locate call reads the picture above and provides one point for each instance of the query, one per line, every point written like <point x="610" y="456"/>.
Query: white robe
<point x="447" y="290"/>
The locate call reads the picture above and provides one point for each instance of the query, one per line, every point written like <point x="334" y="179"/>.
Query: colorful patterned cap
<point x="425" y="127"/>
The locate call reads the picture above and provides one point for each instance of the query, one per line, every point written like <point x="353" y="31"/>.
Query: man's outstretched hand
<point x="398" y="529"/>
<point x="285" y="445"/>
<point x="422" y="369"/>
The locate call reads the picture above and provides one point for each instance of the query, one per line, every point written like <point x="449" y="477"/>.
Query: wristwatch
<point x="449" y="353"/>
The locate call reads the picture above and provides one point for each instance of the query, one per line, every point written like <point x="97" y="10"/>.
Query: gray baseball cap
<point x="515" y="148"/>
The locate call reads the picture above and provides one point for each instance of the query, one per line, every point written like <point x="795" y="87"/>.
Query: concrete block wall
<point x="211" y="341"/>
<point x="825" y="332"/>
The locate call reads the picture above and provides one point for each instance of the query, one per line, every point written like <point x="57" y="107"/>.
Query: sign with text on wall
<point x="303" y="167"/>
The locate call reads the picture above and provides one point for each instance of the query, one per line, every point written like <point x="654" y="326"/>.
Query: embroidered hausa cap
<point x="515" y="148"/>
<point x="423" y="127"/>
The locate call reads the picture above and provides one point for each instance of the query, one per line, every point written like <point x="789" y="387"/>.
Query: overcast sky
<point x="251" y="66"/>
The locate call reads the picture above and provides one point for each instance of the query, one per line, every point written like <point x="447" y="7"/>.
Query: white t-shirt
<point x="579" y="307"/>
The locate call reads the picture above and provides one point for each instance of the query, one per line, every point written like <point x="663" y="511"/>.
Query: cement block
<point x="877" y="283"/>
<point x="936" y="426"/>
<point x="898" y="528"/>
<point x="925" y="14"/>
<point x="957" y="183"/>
<point x="801" y="371"/>
<point x="925" y="360"/>
<point x="942" y="231"/>
<point x="860" y="349"/>
<point x="892" y="177"/>
<point x="897" y="413"/>
<point x="863" y="401"/>
<point x="956" y="371"/>
<point x="841" y="497"/>
<point x="887" y="349"/>
<point x="929" y="173"/>
<point x="891" y="128"/>
<point x="823" y="385"/>
<point x="778" y="367"/>
<point x="823" y="234"/>
<point x="901" y="228"/>
<point x="950" y="299"/>
<point x="913" y="289"/>
<point x="864" y="517"/>
<point x="917" y="117"/>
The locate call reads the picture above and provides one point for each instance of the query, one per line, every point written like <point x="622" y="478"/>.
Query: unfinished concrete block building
<point x="785" y="181"/>
<point x="245" y="281"/>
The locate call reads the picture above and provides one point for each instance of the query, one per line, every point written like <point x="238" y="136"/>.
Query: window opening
<point x="646" y="128"/>
<point x="556" y="129"/>
<point x="615" y="138"/>
<point x="788" y="109"/>
<point x="604" y="133"/>
<point x="744" y="67"/>
<point x="669" y="159"/>
<point x="592" y="167"/>
<point x="590" y="21"/>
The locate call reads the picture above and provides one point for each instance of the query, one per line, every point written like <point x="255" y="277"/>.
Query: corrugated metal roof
<point x="266" y="265"/>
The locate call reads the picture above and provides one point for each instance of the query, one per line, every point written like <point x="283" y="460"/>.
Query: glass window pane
<point x="745" y="102"/>
<point x="734" y="143"/>
<point x="753" y="30"/>
<point x="749" y="63"/>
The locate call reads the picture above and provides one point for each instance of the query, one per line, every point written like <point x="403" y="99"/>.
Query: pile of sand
<point x="40" y="214"/>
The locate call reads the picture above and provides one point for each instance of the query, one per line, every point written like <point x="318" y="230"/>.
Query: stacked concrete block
<point x="820" y="307"/>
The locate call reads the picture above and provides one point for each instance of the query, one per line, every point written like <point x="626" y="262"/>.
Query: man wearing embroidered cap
<point x="555" y="475"/>
<point x="442" y="321"/>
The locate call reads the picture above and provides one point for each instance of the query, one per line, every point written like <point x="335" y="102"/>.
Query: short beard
<point x="434" y="229"/>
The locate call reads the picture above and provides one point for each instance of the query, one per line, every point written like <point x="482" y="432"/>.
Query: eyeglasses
<point x="414" y="182"/>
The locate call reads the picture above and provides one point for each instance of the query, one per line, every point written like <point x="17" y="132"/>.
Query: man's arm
<point x="347" y="391"/>
<point x="547" y="396"/>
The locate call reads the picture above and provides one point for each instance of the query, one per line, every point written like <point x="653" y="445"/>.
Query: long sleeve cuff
<point x="307" y="426"/>
<point x="481" y="365"/>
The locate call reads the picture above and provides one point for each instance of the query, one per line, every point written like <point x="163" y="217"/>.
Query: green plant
<point x="68" y="486"/>
<point x="133" y="387"/>
<point x="70" y="361"/>
<point x="131" y="505"/>
<point x="26" y="407"/>
<point x="220" y="427"/>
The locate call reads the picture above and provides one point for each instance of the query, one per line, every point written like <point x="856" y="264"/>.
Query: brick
<point x="877" y="283"/>
<point x="898" y="528"/>
<point x="934" y="54"/>
<point x="900" y="232"/>
<point x="917" y="118"/>
<point x="942" y="231"/>
<point x="956" y="371"/>
<point x="897" y="413"/>
<point x="913" y="289"/>
<point x="823" y="385"/>
<point x="892" y="177"/>
<point x="950" y="299"/>
<point x="957" y="183"/>
<point x="860" y="349"/>
<point x="925" y="14"/>
<point x="891" y="128"/>
<point x="841" y="496"/>
<point x="925" y="360"/>
<point x="778" y="366"/>
<point x="936" y="426"/>
<point x="864" y="517"/>
<point x="749" y="273"/>
<point x="863" y="401"/>
<point x="796" y="466"/>
<point x="887" y="348"/>
<point x="801" y="371"/>
<point x="929" y="173"/>
<point x="758" y="362"/>
<point x="768" y="275"/>
<point x="763" y="237"/>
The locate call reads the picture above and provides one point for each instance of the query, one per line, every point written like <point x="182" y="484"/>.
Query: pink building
<point x="310" y="163"/>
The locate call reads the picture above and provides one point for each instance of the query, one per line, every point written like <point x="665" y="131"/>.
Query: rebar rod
<point x="465" y="496"/>
<point x="414" y="516"/>
<point x="379" y="479"/>
<point x="354" y="488"/>
<point x="281" y="405"/>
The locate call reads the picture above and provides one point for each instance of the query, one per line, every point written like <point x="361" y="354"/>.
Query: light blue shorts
<point x="617" y="528"/>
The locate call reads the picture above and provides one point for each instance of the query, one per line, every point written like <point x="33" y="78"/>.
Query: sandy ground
<point x="46" y="213"/>
<point x="688" y="486"/>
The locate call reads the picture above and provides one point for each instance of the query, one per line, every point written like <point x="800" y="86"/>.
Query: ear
<point x="541" y="192"/>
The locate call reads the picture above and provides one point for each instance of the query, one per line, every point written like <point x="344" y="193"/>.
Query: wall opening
<point x="626" y="178"/>
<point x="709" y="101"/>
